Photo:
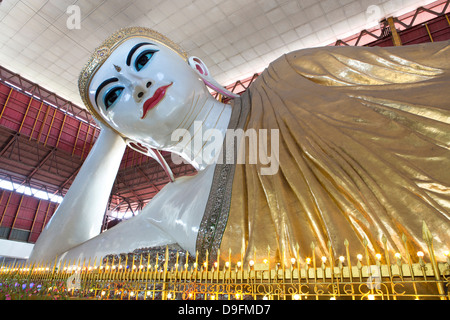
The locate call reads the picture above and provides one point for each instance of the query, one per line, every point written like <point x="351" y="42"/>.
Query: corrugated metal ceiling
<point x="41" y="41"/>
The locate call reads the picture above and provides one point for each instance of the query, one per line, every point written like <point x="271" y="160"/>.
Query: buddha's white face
<point x="145" y="91"/>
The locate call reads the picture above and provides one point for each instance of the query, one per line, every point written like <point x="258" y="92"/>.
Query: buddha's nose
<point x="140" y="91"/>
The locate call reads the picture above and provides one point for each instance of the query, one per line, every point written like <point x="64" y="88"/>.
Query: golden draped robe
<point x="364" y="138"/>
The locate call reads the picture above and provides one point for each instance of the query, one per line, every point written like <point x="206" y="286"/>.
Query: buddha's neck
<point x="201" y="139"/>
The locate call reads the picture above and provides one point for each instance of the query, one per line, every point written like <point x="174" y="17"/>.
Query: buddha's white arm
<point x="80" y="215"/>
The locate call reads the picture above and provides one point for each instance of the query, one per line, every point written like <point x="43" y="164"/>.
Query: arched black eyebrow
<point x="102" y="85"/>
<point x="133" y="50"/>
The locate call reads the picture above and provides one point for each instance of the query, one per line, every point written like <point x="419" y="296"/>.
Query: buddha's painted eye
<point x="112" y="96"/>
<point x="143" y="59"/>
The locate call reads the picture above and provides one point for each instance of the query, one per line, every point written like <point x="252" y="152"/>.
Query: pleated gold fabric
<point x="364" y="138"/>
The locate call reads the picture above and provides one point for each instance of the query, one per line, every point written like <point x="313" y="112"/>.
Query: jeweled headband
<point x="104" y="51"/>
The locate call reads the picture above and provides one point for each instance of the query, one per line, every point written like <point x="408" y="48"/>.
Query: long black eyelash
<point x="116" y="88"/>
<point x="140" y="55"/>
<point x="104" y="83"/>
<point x="133" y="50"/>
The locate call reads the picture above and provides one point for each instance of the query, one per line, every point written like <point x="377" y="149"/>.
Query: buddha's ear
<point x="200" y="67"/>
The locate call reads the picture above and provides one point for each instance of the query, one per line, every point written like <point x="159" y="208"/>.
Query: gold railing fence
<point x="185" y="278"/>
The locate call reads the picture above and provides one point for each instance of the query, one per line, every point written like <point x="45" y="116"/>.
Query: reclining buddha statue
<point x="356" y="147"/>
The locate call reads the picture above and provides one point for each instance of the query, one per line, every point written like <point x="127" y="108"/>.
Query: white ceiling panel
<point x="236" y="38"/>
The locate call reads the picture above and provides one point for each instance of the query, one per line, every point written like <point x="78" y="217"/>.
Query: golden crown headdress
<point x="102" y="53"/>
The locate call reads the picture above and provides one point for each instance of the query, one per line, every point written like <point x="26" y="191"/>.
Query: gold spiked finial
<point x="426" y="234"/>
<point x="118" y="69"/>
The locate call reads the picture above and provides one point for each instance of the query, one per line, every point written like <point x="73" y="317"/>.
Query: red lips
<point x="155" y="99"/>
